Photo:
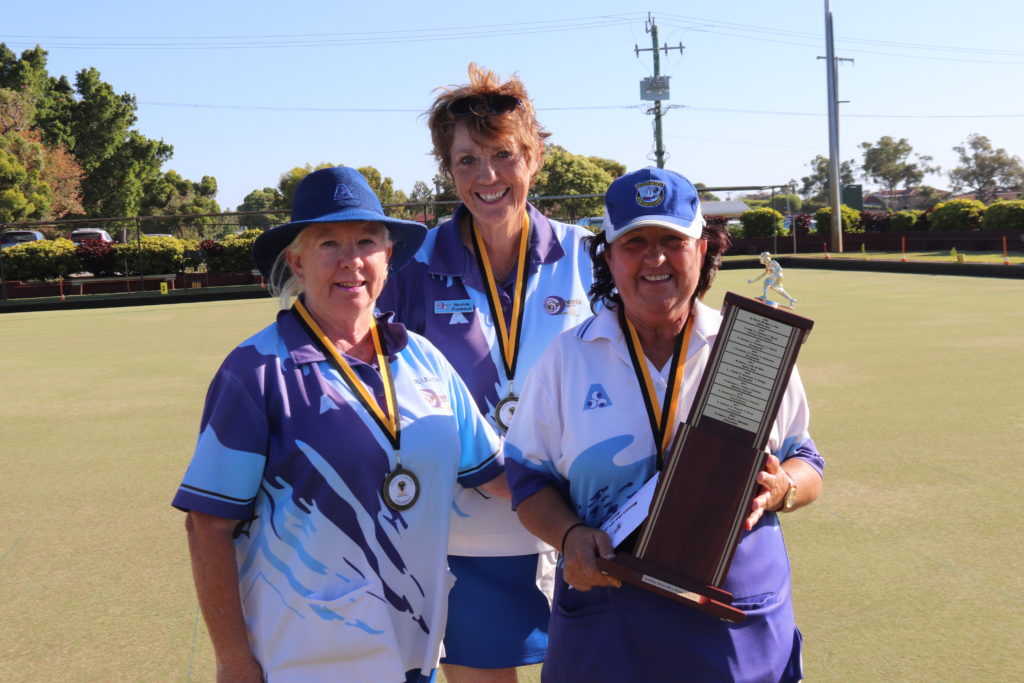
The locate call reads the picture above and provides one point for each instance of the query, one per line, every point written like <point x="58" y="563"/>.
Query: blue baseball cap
<point x="337" y="194"/>
<point x="652" y="196"/>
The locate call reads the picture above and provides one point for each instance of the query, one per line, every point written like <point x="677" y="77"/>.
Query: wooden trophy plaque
<point x="686" y="543"/>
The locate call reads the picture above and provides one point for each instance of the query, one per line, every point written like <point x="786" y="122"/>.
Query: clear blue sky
<point x="245" y="91"/>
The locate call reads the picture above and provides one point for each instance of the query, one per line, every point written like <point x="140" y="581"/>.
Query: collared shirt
<point x="582" y="428"/>
<point x="335" y="584"/>
<point x="441" y="295"/>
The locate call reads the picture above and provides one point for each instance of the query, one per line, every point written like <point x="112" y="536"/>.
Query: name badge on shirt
<point x="453" y="306"/>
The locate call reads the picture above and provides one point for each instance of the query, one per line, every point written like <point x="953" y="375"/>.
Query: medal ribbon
<point x="508" y="339"/>
<point x="386" y="420"/>
<point x="658" y="415"/>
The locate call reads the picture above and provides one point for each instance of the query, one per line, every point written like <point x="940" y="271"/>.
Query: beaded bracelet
<point x="565" y="536"/>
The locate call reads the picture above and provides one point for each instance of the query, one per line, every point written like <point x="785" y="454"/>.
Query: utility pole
<point x="833" y="134"/>
<point x="656" y="88"/>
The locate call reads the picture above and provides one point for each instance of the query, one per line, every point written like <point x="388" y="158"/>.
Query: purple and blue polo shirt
<point x="335" y="584"/>
<point x="441" y="295"/>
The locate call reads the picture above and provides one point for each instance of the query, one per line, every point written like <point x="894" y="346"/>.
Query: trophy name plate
<point x="708" y="479"/>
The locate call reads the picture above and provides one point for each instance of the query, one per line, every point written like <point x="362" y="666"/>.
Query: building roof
<point x="730" y="208"/>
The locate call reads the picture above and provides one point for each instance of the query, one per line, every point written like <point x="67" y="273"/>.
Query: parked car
<point x="12" y="237"/>
<point x="592" y="223"/>
<point x="95" y="234"/>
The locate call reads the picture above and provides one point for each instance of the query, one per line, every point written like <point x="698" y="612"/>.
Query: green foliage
<point x="888" y="163"/>
<point x="957" y="214"/>
<point x="984" y="170"/>
<point x="705" y="196"/>
<point x="89" y="121"/>
<point x="24" y="195"/>
<point x="41" y="260"/>
<point x="1004" y="215"/>
<point x="787" y="203"/>
<point x="849" y="217"/>
<point x="902" y="221"/>
<point x="232" y="255"/>
<point x="814" y="187"/>
<point x="268" y="198"/>
<point x="565" y="173"/>
<point x="763" y="222"/>
<point x="159" y="255"/>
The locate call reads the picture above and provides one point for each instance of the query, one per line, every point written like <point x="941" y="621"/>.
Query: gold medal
<point x="508" y="336"/>
<point x="504" y="411"/>
<point x="401" y="488"/>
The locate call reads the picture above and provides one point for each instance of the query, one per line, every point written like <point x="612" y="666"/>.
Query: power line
<point x="595" y="107"/>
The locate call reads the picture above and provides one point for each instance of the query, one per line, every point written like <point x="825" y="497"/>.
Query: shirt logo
<point x="650" y="193"/>
<point x="597" y="397"/>
<point x="435" y="400"/>
<point x="556" y="305"/>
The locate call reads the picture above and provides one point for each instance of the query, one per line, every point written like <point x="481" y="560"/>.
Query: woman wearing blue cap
<point x="587" y="435"/>
<point x="320" y="490"/>
<point x="491" y="288"/>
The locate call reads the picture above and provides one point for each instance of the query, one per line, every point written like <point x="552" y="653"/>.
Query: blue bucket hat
<point x="330" y="195"/>
<point x="652" y="196"/>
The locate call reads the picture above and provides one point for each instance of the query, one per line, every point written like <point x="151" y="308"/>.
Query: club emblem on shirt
<point x="597" y="397"/>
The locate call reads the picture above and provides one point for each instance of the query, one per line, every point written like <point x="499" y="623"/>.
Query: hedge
<point x="762" y="222"/>
<point x="40" y="260"/>
<point x="152" y="255"/>
<point x="957" y="214"/>
<point x="850" y="219"/>
<point x="902" y="221"/>
<point x="1004" y="215"/>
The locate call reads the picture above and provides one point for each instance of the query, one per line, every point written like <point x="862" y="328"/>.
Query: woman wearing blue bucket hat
<point x="491" y="288"/>
<point x="318" y="497"/>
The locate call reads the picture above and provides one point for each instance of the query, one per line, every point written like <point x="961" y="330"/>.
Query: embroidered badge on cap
<point x="650" y="193"/>
<point x="342" y="193"/>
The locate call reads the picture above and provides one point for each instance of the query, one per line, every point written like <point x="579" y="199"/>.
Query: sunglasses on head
<point x="482" y="105"/>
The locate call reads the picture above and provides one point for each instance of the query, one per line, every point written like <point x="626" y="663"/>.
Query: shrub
<point x="158" y="255"/>
<point x="762" y="222"/>
<point x="1004" y="215"/>
<point x="233" y="255"/>
<point x="874" y="221"/>
<point x="957" y="214"/>
<point x="850" y="219"/>
<point x="97" y="258"/>
<point x="902" y="221"/>
<point x="41" y="260"/>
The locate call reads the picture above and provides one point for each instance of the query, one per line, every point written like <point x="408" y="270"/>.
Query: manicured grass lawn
<point x="1015" y="258"/>
<point x="905" y="569"/>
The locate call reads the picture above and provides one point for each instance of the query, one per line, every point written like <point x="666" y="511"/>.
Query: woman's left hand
<point x="774" y="485"/>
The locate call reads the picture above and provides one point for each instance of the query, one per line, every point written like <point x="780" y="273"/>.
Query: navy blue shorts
<point x="497" y="617"/>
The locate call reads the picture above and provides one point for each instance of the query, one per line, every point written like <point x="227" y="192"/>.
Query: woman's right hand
<point x="583" y="546"/>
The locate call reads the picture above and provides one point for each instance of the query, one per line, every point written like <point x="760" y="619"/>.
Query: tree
<point x="611" y="167"/>
<point x="291" y="179"/>
<point x="888" y="163"/>
<point x="984" y="170"/>
<point x="169" y="194"/>
<point x="269" y="198"/>
<point x="705" y="196"/>
<point x="814" y="188"/>
<point x="16" y="110"/>
<point x="565" y="173"/>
